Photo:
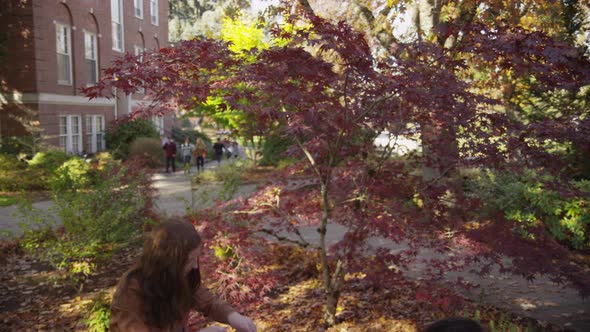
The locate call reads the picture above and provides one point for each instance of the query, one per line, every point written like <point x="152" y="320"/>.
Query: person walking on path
<point x="235" y="149"/>
<point x="218" y="147"/>
<point x="200" y="154"/>
<point x="228" y="148"/>
<point x="170" y="149"/>
<point x="158" y="293"/>
<point x="186" y="151"/>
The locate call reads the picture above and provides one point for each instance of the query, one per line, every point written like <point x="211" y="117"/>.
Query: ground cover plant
<point x="6" y="200"/>
<point x="94" y="220"/>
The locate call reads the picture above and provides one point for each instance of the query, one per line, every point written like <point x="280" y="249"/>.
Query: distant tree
<point x="188" y="18"/>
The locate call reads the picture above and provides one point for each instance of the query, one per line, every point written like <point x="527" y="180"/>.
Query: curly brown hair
<point x="166" y="289"/>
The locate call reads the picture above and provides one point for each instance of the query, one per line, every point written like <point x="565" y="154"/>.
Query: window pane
<point x="117" y="36"/>
<point x="90" y="46"/>
<point x="63" y="53"/>
<point x="89" y="135"/>
<point x="115" y="11"/>
<point x="89" y="123"/>
<point x="63" y="68"/>
<point x="63" y="125"/>
<point x="92" y="71"/>
<point x="138" y="8"/>
<point x="99" y="146"/>
<point x="63" y="132"/>
<point x="75" y="125"/>
<point x="99" y="123"/>
<point x="59" y="40"/>
<point x="76" y="138"/>
<point x="154" y="11"/>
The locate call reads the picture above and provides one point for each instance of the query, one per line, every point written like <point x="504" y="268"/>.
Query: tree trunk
<point x="439" y="144"/>
<point x="332" y="280"/>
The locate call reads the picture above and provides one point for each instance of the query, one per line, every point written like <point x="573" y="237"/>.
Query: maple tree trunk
<point x="439" y="164"/>
<point x="332" y="280"/>
<point x="254" y="151"/>
<point x="440" y="150"/>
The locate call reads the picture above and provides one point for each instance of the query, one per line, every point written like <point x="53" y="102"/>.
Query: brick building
<point x="49" y="49"/>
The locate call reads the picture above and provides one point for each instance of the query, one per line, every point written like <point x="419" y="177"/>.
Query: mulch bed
<point x="35" y="297"/>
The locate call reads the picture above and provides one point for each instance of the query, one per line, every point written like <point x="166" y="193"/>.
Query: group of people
<point x="159" y="292"/>
<point x="232" y="149"/>
<point x="197" y="151"/>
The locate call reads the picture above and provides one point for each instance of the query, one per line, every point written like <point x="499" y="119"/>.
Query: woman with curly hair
<point x="158" y="293"/>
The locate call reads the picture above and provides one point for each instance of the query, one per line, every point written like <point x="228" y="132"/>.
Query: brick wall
<point x="29" y="64"/>
<point x="17" y="41"/>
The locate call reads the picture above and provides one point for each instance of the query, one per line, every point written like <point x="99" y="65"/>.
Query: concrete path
<point x="542" y="300"/>
<point x="173" y="197"/>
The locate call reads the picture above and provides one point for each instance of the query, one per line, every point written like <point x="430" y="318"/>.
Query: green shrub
<point x="73" y="174"/>
<point x="23" y="179"/>
<point x="273" y="150"/>
<point x="119" y="137"/>
<point x="15" y="176"/>
<point x="93" y="222"/>
<point x="9" y="162"/>
<point x="26" y="145"/>
<point x="526" y="198"/>
<point x="49" y="160"/>
<point x="102" y="160"/>
<point x="229" y="174"/>
<point x="148" y="149"/>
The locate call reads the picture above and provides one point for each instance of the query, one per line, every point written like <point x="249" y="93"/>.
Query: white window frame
<point x="154" y="17"/>
<point x="92" y="36"/>
<point x="138" y="8"/>
<point x="59" y="27"/>
<point x="95" y="126"/>
<point x="120" y="46"/>
<point x="69" y="136"/>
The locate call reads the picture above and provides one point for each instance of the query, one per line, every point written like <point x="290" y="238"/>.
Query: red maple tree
<point x="327" y="92"/>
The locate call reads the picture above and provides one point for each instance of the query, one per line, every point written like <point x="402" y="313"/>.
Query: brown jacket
<point x="127" y="315"/>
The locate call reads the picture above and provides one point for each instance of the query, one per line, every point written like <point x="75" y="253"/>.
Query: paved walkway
<point x="542" y="299"/>
<point x="174" y="196"/>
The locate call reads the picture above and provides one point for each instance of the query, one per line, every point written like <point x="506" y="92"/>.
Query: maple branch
<point x="305" y="4"/>
<point x="309" y="157"/>
<point x="373" y="105"/>
<point x="440" y="176"/>
<point x="303" y="243"/>
<point x="338" y="276"/>
<point x="276" y="209"/>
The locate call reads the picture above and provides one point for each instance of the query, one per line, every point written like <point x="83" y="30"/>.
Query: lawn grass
<point x="7" y="200"/>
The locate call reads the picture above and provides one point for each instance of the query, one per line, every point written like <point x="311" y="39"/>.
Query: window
<point x="154" y="11"/>
<point x="70" y="138"/>
<point x="117" y="25"/>
<point x="63" y="47"/>
<point x="91" y="56"/>
<point x="94" y="133"/>
<point x="138" y="6"/>
<point x="139" y="51"/>
<point x="159" y="123"/>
